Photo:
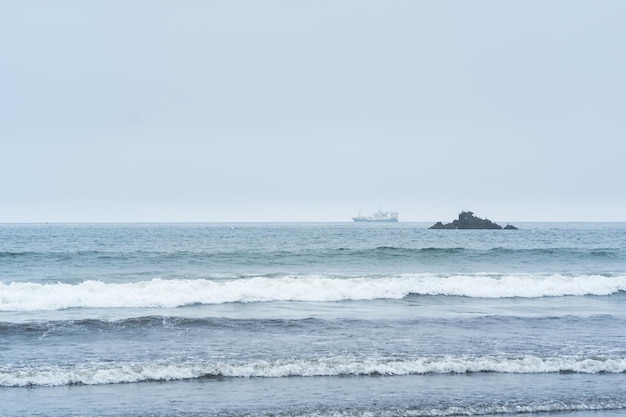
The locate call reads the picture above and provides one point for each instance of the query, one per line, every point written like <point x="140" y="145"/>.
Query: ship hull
<point x="366" y="220"/>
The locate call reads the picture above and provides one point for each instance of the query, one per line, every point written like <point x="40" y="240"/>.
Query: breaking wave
<point x="28" y="296"/>
<point x="108" y="373"/>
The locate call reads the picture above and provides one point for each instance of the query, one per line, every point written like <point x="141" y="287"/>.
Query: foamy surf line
<point x="590" y="406"/>
<point x="106" y="373"/>
<point x="28" y="296"/>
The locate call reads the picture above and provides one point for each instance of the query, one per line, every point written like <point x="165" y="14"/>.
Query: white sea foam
<point x="106" y="373"/>
<point x="19" y="296"/>
<point x="480" y="409"/>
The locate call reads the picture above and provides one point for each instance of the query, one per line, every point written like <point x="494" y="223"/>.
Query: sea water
<point x="328" y="319"/>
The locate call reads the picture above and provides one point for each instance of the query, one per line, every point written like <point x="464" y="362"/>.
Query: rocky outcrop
<point x="467" y="220"/>
<point x="440" y="225"/>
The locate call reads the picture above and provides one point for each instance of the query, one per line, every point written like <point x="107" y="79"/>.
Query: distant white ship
<point x="379" y="216"/>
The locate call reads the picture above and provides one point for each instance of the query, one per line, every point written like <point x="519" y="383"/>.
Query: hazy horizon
<point x="426" y="224"/>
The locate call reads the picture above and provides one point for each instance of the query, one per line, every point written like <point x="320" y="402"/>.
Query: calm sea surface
<point x="326" y="319"/>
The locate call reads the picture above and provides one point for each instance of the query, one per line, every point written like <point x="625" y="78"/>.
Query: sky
<point x="220" y="111"/>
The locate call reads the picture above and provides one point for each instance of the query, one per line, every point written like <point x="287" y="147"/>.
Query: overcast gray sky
<point x="193" y="110"/>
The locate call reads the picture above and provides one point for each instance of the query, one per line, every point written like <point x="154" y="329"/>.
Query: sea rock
<point x="467" y="220"/>
<point x="440" y="225"/>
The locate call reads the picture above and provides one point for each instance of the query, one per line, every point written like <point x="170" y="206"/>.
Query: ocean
<point x="312" y="320"/>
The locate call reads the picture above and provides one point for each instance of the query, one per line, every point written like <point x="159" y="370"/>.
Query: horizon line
<point x="285" y="222"/>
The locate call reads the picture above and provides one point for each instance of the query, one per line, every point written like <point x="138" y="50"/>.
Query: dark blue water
<point x="312" y="320"/>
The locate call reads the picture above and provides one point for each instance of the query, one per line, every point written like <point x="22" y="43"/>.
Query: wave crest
<point x="105" y="373"/>
<point x="19" y="296"/>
